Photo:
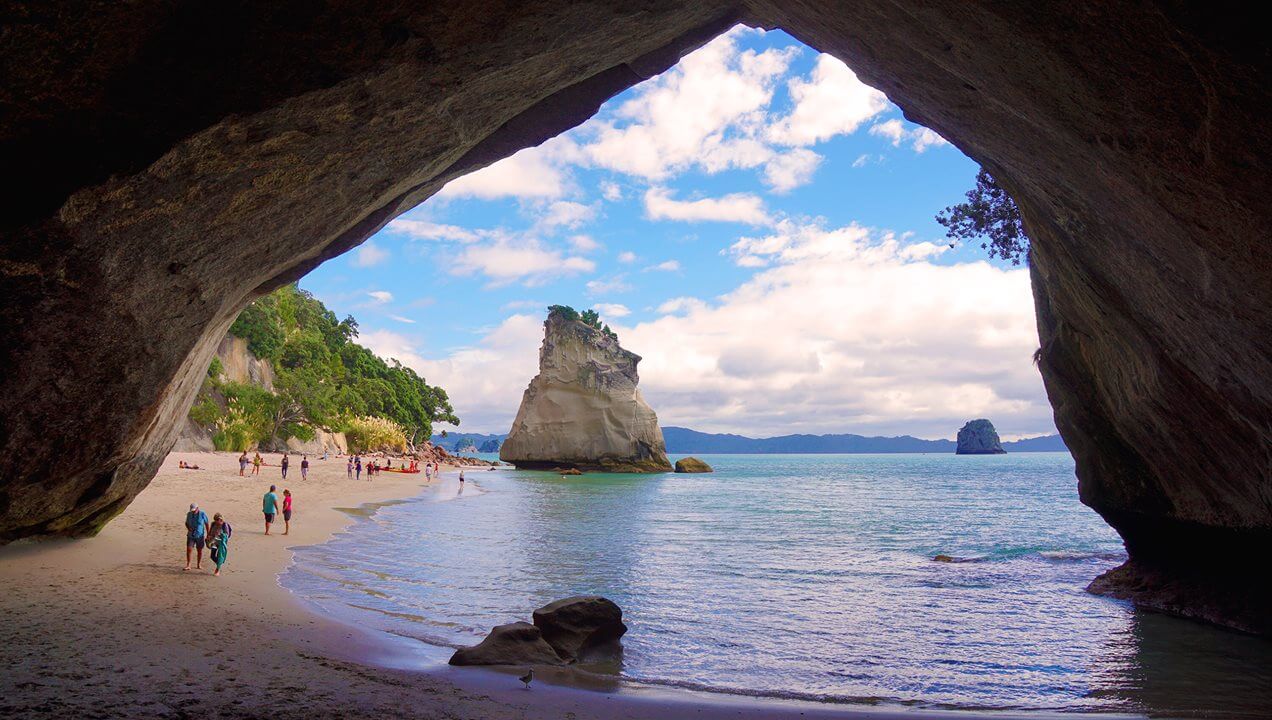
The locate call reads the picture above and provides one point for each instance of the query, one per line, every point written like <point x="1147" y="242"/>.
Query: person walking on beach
<point x="196" y="523"/>
<point x="357" y="464"/>
<point x="304" y="467"/>
<point x="286" y="462"/>
<point x="256" y="464"/>
<point x="219" y="541"/>
<point x="287" y="501"/>
<point x="269" y="506"/>
<point x="349" y="468"/>
<point x="461" y="478"/>
<point x="428" y="472"/>
<point x="242" y="463"/>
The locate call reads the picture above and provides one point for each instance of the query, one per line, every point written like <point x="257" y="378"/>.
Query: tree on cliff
<point x="589" y="317"/>
<point x="989" y="213"/>
<point x="322" y="378"/>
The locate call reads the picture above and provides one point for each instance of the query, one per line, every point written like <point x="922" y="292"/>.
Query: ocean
<point x="800" y="576"/>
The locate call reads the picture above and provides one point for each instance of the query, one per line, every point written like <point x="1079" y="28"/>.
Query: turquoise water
<point x="807" y="576"/>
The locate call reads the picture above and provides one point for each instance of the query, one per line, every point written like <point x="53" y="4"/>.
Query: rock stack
<point x="583" y="409"/>
<point x="978" y="437"/>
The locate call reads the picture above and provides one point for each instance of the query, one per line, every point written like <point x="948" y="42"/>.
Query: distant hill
<point x="452" y="441"/>
<point x="684" y="440"/>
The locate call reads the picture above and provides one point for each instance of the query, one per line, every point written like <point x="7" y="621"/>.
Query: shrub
<point x="375" y="433"/>
<point x="215" y="368"/>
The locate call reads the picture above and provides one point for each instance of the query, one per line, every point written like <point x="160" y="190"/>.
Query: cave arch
<point x="177" y="160"/>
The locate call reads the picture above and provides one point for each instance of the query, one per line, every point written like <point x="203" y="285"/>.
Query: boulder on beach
<point x="575" y="625"/>
<point x="583" y="409"/>
<point x="518" y="643"/>
<point x="978" y="437"/>
<point x="692" y="465"/>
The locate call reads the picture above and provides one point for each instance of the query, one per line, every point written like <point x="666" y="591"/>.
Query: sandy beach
<point x="112" y="627"/>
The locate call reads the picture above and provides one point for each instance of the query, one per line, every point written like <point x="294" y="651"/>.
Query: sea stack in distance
<point x="583" y="409"/>
<point x="978" y="437"/>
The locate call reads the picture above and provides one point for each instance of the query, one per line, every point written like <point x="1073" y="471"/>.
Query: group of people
<point x="284" y="464"/>
<point x="214" y="534"/>
<point x="201" y="533"/>
<point x="356" y="464"/>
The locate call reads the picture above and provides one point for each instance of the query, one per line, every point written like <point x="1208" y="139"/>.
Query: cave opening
<point x="1132" y="139"/>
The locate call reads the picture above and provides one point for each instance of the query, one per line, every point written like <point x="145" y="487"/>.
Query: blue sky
<point x="756" y="223"/>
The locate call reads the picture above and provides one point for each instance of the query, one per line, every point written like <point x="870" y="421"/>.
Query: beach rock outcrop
<point x="518" y="643"/>
<point x="165" y="186"/>
<point x="692" y="465"/>
<point x="978" y="437"/>
<point x="575" y="625"/>
<point x="583" y="410"/>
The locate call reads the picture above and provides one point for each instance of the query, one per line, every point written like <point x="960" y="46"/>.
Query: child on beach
<point x="256" y="464"/>
<point x="242" y="463"/>
<point x="196" y="523"/>
<point x="269" y="506"/>
<point x="304" y="469"/>
<point x="287" y="507"/>
<point x="357" y="464"/>
<point x="219" y="541"/>
<point x="349" y="468"/>
<point x="285" y="463"/>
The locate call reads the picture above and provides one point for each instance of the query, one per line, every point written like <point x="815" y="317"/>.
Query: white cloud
<point x="402" y="319"/>
<point x="704" y="112"/>
<point x="536" y="172"/>
<point x="614" y="284"/>
<point x="627" y="256"/>
<point x="736" y="207"/>
<point x="665" y="266"/>
<point x="680" y="304"/>
<point x="612" y="310"/>
<point x="611" y="191"/>
<point x="584" y="243"/>
<point x="512" y="259"/>
<point x="789" y="170"/>
<point x="425" y="230"/>
<point x="891" y="129"/>
<point x="924" y="138"/>
<point x="848" y="331"/>
<point x="370" y="254"/>
<point x="381" y="297"/>
<point x="832" y="101"/>
<point x="920" y="138"/>
<point x="566" y="213"/>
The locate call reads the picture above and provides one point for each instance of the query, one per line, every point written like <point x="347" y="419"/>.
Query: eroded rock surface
<point x="518" y="643"/>
<point x="978" y="437"/>
<point x="576" y="625"/>
<point x="583" y="410"/>
<point x="164" y="181"/>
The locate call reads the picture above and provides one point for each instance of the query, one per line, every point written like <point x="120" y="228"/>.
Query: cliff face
<point x="583" y="409"/>
<point x="978" y="437"/>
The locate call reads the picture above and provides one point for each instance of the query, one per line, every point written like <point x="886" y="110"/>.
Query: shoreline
<point x="111" y="626"/>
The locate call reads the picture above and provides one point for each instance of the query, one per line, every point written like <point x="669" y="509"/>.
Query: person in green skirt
<point x="219" y="541"/>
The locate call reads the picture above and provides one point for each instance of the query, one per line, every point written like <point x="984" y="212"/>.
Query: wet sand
<point x="112" y="627"/>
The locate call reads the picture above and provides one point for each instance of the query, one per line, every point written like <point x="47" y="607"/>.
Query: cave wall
<point x="180" y="158"/>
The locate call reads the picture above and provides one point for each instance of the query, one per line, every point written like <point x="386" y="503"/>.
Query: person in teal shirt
<point x="196" y="523"/>
<point x="270" y="507"/>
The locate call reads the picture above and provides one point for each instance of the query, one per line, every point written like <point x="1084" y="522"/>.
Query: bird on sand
<point x="527" y="677"/>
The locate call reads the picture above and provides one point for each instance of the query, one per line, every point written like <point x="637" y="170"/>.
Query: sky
<point x="756" y="223"/>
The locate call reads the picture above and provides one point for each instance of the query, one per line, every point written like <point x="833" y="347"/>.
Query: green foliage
<point x="322" y="377"/>
<point x="205" y="412"/>
<point x="589" y="317"/>
<point x="215" y="368"/>
<point x="989" y="213"/>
